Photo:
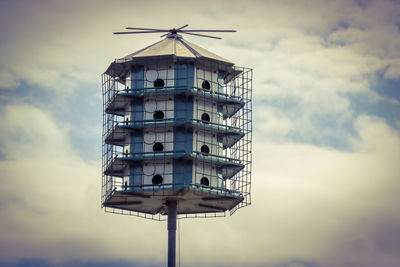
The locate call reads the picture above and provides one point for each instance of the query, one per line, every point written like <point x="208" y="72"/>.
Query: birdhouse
<point x="176" y="126"/>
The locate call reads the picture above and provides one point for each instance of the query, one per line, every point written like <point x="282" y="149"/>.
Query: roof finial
<point x="173" y="33"/>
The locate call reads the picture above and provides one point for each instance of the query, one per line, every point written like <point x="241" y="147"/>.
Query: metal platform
<point x="190" y="200"/>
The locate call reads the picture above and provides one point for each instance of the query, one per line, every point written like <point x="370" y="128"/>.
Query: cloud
<point x="309" y="203"/>
<point x="272" y="123"/>
<point x="51" y="197"/>
<point x="393" y="71"/>
<point x="315" y="203"/>
<point x="7" y="80"/>
<point x="319" y="205"/>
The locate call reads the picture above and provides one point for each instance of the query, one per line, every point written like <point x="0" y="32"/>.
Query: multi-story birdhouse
<point x="177" y="126"/>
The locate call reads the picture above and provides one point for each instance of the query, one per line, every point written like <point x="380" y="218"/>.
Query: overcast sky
<point x="326" y="159"/>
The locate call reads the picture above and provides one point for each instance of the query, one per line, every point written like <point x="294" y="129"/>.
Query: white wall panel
<point x="161" y="103"/>
<point x="163" y="168"/>
<point x="161" y="135"/>
<point x="202" y="169"/>
<point x="164" y="72"/>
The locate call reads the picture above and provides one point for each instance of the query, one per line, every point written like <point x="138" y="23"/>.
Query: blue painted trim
<point x="152" y="123"/>
<point x="218" y="160"/>
<point x="136" y="142"/>
<point x="183" y="107"/>
<point x="216" y="127"/>
<point x="182" y="170"/>
<point x="217" y="191"/>
<point x="153" y="90"/>
<point x="137" y="78"/>
<point x="183" y="139"/>
<point x="137" y="109"/>
<point x="223" y="100"/>
<point x="226" y="134"/>
<point x="182" y="89"/>
<point x="155" y="156"/>
<point x="138" y="174"/>
<point x="184" y="75"/>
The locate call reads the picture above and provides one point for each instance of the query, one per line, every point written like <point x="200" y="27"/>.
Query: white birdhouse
<point x="177" y="125"/>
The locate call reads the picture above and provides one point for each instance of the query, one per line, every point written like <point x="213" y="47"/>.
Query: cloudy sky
<point x="326" y="177"/>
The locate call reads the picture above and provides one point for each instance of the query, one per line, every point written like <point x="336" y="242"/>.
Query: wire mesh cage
<point x="176" y="129"/>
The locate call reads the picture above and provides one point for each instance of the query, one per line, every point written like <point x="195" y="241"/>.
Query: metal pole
<point x="171" y="204"/>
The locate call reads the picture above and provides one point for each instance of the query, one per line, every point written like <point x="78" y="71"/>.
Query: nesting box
<point x="176" y="126"/>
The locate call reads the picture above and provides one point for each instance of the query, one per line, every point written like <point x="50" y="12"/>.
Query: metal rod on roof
<point x="144" y="29"/>
<point x="184" y="26"/>
<point x="173" y="32"/>
<point x="138" y="32"/>
<point x="202" y="35"/>
<point x="208" y="30"/>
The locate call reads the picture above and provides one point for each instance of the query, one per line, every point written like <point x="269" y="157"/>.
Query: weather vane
<point x="172" y="31"/>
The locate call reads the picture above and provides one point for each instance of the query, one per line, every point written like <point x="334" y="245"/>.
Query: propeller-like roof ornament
<point x="172" y="32"/>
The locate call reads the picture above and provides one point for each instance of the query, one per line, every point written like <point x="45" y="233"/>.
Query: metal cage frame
<point x="236" y="89"/>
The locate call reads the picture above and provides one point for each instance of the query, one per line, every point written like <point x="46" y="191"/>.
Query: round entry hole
<point x="157" y="179"/>
<point x="158" y="115"/>
<point x="206" y="85"/>
<point x="205" y="149"/>
<point x="205" y="118"/>
<point x="159" y="83"/>
<point x="158" y="147"/>
<point x="204" y="181"/>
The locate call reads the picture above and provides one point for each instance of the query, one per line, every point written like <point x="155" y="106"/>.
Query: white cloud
<point x="51" y="198"/>
<point x="7" y="80"/>
<point x="307" y="203"/>
<point x="271" y="123"/>
<point x="313" y="203"/>
<point x="393" y="71"/>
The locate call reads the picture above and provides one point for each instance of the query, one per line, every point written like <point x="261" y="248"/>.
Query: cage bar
<point x="176" y="129"/>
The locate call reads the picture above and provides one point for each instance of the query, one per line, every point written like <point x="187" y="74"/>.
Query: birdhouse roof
<point x="176" y="46"/>
<point x="173" y="48"/>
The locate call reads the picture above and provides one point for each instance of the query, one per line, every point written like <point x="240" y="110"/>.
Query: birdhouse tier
<point x="176" y="125"/>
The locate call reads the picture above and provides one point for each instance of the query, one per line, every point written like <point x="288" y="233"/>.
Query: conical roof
<point x="174" y="45"/>
<point x="173" y="48"/>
